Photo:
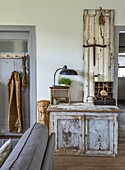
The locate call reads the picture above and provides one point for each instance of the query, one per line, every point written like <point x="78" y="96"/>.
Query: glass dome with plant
<point x="64" y="81"/>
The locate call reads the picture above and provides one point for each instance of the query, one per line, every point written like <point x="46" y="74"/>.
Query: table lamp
<point x="64" y="71"/>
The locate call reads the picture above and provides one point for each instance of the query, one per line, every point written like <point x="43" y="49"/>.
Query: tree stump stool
<point x="43" y="114"/>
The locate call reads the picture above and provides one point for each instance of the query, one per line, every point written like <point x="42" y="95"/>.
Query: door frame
<point x="32" y="66"/>
<point x="116" y="45"/>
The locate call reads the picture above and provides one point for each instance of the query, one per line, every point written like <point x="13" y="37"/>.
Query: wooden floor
<point x="96" y="163"/>
<point x="92" y="163"/>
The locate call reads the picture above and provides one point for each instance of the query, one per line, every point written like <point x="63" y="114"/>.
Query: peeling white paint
<point x="85" y="129"/>
<point x="94" y="34"/>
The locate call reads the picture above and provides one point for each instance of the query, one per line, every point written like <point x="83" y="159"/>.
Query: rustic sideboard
<point x="84" y="129"/>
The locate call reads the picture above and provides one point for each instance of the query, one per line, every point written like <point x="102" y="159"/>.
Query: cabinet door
<point x="99" y="135"/>
<point x="70" y="132"/>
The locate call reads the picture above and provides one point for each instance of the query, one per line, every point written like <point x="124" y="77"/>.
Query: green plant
<point x="65" y="81"/>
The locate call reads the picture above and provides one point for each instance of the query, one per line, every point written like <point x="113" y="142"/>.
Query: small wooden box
<point x="104" y="101"/>
<point x="59" y="94"/>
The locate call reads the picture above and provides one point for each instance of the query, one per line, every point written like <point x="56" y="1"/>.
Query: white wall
<point x="59" y="32"/>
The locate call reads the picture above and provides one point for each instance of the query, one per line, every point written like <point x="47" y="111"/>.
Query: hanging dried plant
<point x="101" y="18"/>
<point x="24" y="74"/>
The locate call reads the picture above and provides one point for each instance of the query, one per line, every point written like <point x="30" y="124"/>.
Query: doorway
<point x="121" y="68"/>
<point x="119" y="92"/>
<point x="17" y="40"/>
<point x="119" y="83"/>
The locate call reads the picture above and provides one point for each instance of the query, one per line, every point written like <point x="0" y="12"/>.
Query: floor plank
<point x="92" y="163"/>
<point x="79" y="168"/>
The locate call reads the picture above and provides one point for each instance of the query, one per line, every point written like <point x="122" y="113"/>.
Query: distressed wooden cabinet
<point x="84" y="129"/>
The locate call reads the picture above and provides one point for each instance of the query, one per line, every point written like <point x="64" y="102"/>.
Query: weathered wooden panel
<point x="68" y="133"/>
<point x="98" y="41"/>
<point x="100" y="135"/>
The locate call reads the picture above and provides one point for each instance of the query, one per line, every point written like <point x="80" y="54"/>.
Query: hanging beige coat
<point x="15" y="111"/>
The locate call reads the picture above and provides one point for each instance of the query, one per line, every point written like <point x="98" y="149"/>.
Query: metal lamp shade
<point x="68" y="72"/>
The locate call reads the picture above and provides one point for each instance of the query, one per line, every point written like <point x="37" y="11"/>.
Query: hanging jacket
<point x="15" y="109"/>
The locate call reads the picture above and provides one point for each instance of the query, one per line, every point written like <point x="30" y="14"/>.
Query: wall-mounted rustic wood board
<point x="101" y="35"/>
